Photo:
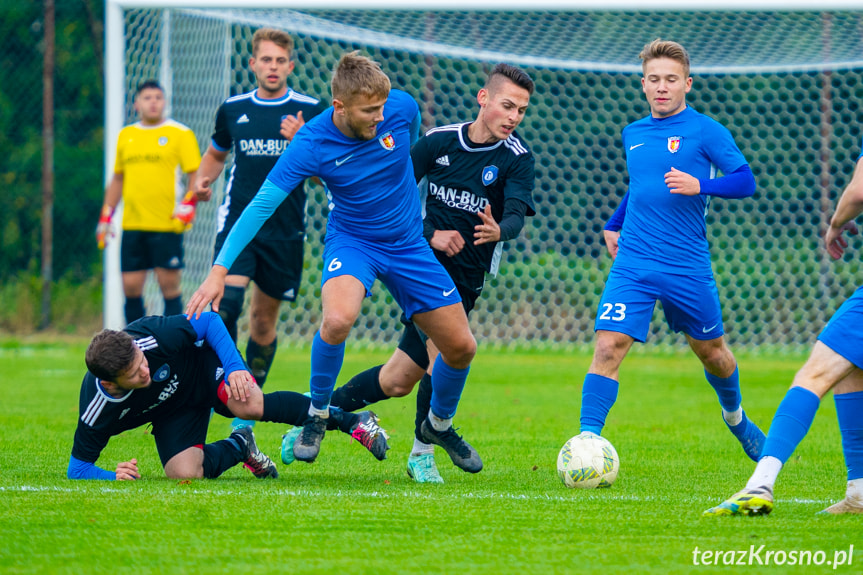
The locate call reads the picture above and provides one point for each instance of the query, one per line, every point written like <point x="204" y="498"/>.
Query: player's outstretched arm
<point x="211" y="290"/>
<point x="850" y="206"/>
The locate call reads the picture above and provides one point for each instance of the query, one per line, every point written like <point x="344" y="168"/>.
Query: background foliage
<point x="78" y="150"/>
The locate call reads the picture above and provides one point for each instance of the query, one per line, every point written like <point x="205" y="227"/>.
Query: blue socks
<point x="597" y="396"/>
<point x="326" y="364"/>
<point x="849" y="411"/>
<point x="727" y="389"/>
<point x="791" y="423"/>
<point x="447" y="386"/>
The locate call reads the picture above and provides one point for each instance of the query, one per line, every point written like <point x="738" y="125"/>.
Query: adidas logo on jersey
<point x="442" y="161"/>
<point x="244" y="119"/>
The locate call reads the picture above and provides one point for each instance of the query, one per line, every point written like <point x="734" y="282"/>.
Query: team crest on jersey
<point x="388" y="141"/>
<point x="489" y="175"/>
<point x="162" y="373"/>
<point x="163" y="140"/>
<point x="674" y="144"/>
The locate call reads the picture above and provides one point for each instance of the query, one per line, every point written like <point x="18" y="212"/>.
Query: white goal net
<point x="787" y="84"/>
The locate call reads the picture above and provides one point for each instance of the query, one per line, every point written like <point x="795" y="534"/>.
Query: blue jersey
<point x="372" y="184"/>
<point x="664" y="231"/>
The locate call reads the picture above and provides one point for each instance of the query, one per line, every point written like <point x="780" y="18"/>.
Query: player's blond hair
<point x="110" y="354"/>
<point x="356" y="75"/>
<point x="277" y="37"/>
<point x="665" y="49"/>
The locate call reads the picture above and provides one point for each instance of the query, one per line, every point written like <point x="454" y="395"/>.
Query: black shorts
<point x="147" y="250"/>
<point x="413" y="340"/>
<point x="186" y="425"/>
<point x="275" y="266"/>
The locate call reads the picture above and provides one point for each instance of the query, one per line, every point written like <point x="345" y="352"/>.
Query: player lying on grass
<point x="491" y="171"/>
<point x="171" y="372"/>
<point x="836" y="363"/>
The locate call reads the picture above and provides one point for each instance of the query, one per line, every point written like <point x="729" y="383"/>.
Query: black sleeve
<point x="173" y="334"/>
<point x="421" y="155"/>
<point x="520" y="183"/>
<point x="222" y="135"/>
<point x="512" y="221"/>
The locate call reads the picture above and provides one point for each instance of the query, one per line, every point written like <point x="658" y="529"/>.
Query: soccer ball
<point x="587" y="461"/>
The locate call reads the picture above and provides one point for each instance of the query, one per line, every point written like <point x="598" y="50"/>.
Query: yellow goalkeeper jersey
<point x="152" y="160"/>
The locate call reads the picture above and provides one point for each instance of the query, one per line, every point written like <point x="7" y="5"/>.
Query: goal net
<point x="787" y="84"/>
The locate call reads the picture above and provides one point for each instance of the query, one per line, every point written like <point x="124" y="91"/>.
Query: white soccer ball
<point x="587" y="461"/>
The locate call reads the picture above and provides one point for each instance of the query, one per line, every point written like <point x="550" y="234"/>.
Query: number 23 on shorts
<point x="613" y="311"/>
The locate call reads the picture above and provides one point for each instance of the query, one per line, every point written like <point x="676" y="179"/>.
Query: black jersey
<point x="463" y="178"/>
<point x="181" y="371"/>
<point x="250" y="125"/>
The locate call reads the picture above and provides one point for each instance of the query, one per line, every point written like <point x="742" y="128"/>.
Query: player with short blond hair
<point x="361" y="148"/>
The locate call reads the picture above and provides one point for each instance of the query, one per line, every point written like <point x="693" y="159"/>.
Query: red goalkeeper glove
<point x="185" y="212"/>
<point x="103" y="228"/>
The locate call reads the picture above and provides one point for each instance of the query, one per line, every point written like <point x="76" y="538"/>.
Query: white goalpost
<point x="786" y="77"/>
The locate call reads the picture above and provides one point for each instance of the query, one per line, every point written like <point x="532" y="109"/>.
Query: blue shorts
<point x="412" y="274"/>
<point x="691" y="303"/>
<point x="844" y="332"/>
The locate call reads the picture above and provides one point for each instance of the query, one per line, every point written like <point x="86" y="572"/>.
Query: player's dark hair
<point x="665" y="49"/>
<point x="278" y="37"/>
<point x="515" y="75"/>
<point x="110" y="354"/>
<point x="356" y="75"/>
<point x="149" y="85"/>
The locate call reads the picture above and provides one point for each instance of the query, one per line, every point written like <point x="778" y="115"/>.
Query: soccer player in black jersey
<point x="171" y="372"/>
<point x="259" y="126"/>
<point x="480" y="180"/>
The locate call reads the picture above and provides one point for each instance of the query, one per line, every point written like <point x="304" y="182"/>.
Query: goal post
<point x="785" y="77"/>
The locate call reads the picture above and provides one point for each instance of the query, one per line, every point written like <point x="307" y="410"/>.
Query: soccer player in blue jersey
<point x="480" y="180"/>
<point x="361" y="148"/>
<point x="836" y="363"/>
<point x="170" y="372"/>
<point x="259" y="126"/>
<point x="661" y="251"/>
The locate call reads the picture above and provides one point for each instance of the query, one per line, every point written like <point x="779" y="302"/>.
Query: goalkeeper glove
<point x="185" y="212"/>
<point x="103" y="228"/>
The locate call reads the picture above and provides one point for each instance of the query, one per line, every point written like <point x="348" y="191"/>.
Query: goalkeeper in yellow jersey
<point x="152" y="154"/>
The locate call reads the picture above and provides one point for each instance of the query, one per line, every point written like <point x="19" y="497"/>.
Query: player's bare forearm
<point x="114" y="191"/>
<point x="212" y="164"/>
<point x="850" y="206"/>
<point x="211" y="290"/>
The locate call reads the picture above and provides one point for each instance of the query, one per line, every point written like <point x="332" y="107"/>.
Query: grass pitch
<point x="348" y="513"/>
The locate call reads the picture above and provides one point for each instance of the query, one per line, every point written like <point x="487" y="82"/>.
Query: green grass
<point x="348" y="513"/>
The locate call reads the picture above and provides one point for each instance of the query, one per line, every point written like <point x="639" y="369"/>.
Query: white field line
<point x="311" y="493"/>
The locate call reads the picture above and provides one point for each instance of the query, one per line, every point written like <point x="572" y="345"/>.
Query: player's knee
<point x="183" y="470"/>
<point x="460" y="352"/>
<point x="398" y="388"/>
<point x="336" y="326"/>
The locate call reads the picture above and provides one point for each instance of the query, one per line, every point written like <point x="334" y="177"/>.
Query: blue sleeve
<point x="84" y="470"/>
<point x="738" y="184"/>
<point x="615" y="222"/>
<point x="212" y="330"/>
<point x="253" y="217"/>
